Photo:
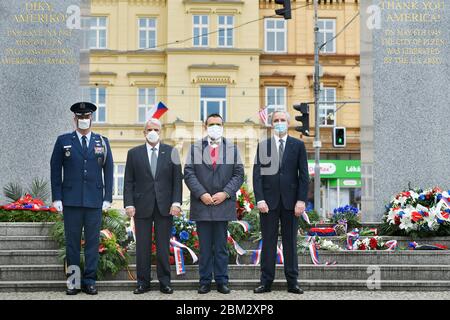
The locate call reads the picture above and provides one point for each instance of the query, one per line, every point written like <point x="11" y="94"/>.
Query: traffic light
<point x="286" y="10"/>
<point x="304" y="118"/>
<point x="339" y="137"/>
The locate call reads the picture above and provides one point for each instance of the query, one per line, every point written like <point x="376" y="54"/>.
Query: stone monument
<point x="405" y="86"/>
<point x="40" y="59"/>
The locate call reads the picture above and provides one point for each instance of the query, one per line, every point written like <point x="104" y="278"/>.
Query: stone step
<point x="251" y="272"/>
<point x="25" y="228"/>
<point x="308" y="285"/>
<point x="46" y="257"/>
<point x="27" y="243"/>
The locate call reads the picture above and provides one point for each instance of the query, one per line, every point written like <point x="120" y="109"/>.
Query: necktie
<point x="281" y="151"/>
<point x="84" y="145"/>
<point x="153" y="162"/>
<point x="213" y="157"/>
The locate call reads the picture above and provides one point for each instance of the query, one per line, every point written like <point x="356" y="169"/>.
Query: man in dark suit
<point x="153" y="194"/>
<point x="280" y="183"/>
<point x="213" y="173"/>
<point x="81" y="170"/>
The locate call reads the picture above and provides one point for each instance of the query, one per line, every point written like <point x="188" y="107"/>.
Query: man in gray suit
<point x="213" y="173"/>
<point x="153" y="194"/>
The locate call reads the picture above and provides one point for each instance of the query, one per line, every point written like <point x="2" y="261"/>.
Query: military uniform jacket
<point x="80" y="180"/>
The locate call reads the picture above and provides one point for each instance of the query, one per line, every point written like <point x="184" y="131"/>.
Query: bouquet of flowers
<point x="184" y="231"/>
<point x="346" y="215"/>
<point x="418" y="213"/>
<point x="245" y="202"/>
<point x="373" y="243"/>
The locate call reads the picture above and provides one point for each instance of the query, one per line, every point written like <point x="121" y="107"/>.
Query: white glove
<point x="58" y="205"/>
<point x="106" y="205"/>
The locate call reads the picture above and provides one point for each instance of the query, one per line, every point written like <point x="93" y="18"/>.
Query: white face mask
<point x="153" y="136"/>
<point x="84" y="124"/>
<point x="215" y="132"/>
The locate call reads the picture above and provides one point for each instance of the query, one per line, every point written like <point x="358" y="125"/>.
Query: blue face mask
<point x="280" y="127"/>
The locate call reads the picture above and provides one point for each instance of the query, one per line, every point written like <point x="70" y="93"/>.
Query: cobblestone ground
<point x="235" y="295"/>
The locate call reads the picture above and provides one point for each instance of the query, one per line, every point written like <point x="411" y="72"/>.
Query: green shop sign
<point x="337" y="169"/>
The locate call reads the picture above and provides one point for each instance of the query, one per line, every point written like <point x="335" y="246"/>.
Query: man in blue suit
<point x="280" y="183"/>
<point x="81" y="180"/>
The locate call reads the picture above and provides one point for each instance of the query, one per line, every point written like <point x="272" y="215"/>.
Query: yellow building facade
<point x="230" y="57"/>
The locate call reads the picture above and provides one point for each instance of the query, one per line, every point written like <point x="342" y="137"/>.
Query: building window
<point x="147" y="33"/>
<point x="327" y="31"/>
<point x="327" y="106"/>
<point x="225" y="38"/>
<point x="97" y="33"/>
<point x="275" y="99"/>
<point x="119" y="172"/>
<point x="212" y="100"/>
<point x="98" y="97"/>
<point x="200" y="30"/>
<point x="146" y="102"/>
<point x="275" y="35"/>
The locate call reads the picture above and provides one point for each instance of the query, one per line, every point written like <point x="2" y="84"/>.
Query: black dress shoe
<point x="204" y="289"/>
<point x="296" y="289"/>
<point x="141" y="289"/>
<point x="91" y="290"/>
<point x="166" y="289"/>
<point x="72" y="292"/>
<point x="223" y="288"/>
<point x="262" y="289"/>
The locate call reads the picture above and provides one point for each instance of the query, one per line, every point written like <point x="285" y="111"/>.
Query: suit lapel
<point x="206" y="154"/>
<point x="76" y="142"/>
<point x="162" y="153"/>
<point x="144" y="157"/>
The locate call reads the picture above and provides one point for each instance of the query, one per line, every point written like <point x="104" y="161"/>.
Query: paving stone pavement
<point x="235" y="295"/>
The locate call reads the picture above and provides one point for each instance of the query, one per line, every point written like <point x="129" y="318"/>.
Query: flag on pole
<point x="157" y="111"/>
<point x="263" y="116"/>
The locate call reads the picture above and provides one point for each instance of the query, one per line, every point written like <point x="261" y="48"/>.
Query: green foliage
<point x="39" y="189"/>
<point x="28" y="216"/>
<point x="113" y="258"/>
<point x="13" y="191"/>
<point x="313" y="218"/>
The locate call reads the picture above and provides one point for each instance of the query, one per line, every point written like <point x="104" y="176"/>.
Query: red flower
<point x="153" y="248"/>
<point x="397" y="220"/>
<point x="373" y="243"/>
<point x="252" y="205"/>
<point x="229" y="240"/>
<point x="194" y="233"/>
<point x="196" y="244"/>
<point x="101" y="248"/>
<point x="362" y="246"/>
<point x="416" y="216"/>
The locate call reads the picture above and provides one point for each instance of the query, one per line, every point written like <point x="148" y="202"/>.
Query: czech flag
<point x="157" y="111"/>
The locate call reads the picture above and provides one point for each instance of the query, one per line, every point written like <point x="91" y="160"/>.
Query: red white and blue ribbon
<point x="314" y="253"/>
<point x="305" y="217"/>
<point x="256" y="256"/>
<point x="240" y="251"/>
<point x="244" y="224"/>
<point x="280" y="257"/>
<point x="391" y="245"/>
<point x="352" y="237"/>
<point x="179" y="257"/>
<point x="179" y="261"/>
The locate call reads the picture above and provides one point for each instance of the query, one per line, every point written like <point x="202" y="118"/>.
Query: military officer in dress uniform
<point x="81" y="181"/>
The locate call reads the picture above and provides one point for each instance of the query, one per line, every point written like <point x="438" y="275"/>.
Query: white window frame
<point x="222" y="102"/>
<point x="99" y="105"/>
<point x="97" y="29"/>
<point x="146" y="105"/>
<point x="323" y="35"/>
<point x="324" y="107"/>
<point x="118" y="176"/>
<point x="227" y="29"/>
<point x="275" y="30"/>
<point x="148" y="30"/>
<point x="271" y="108"/>
<point x="200" y="26"/>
